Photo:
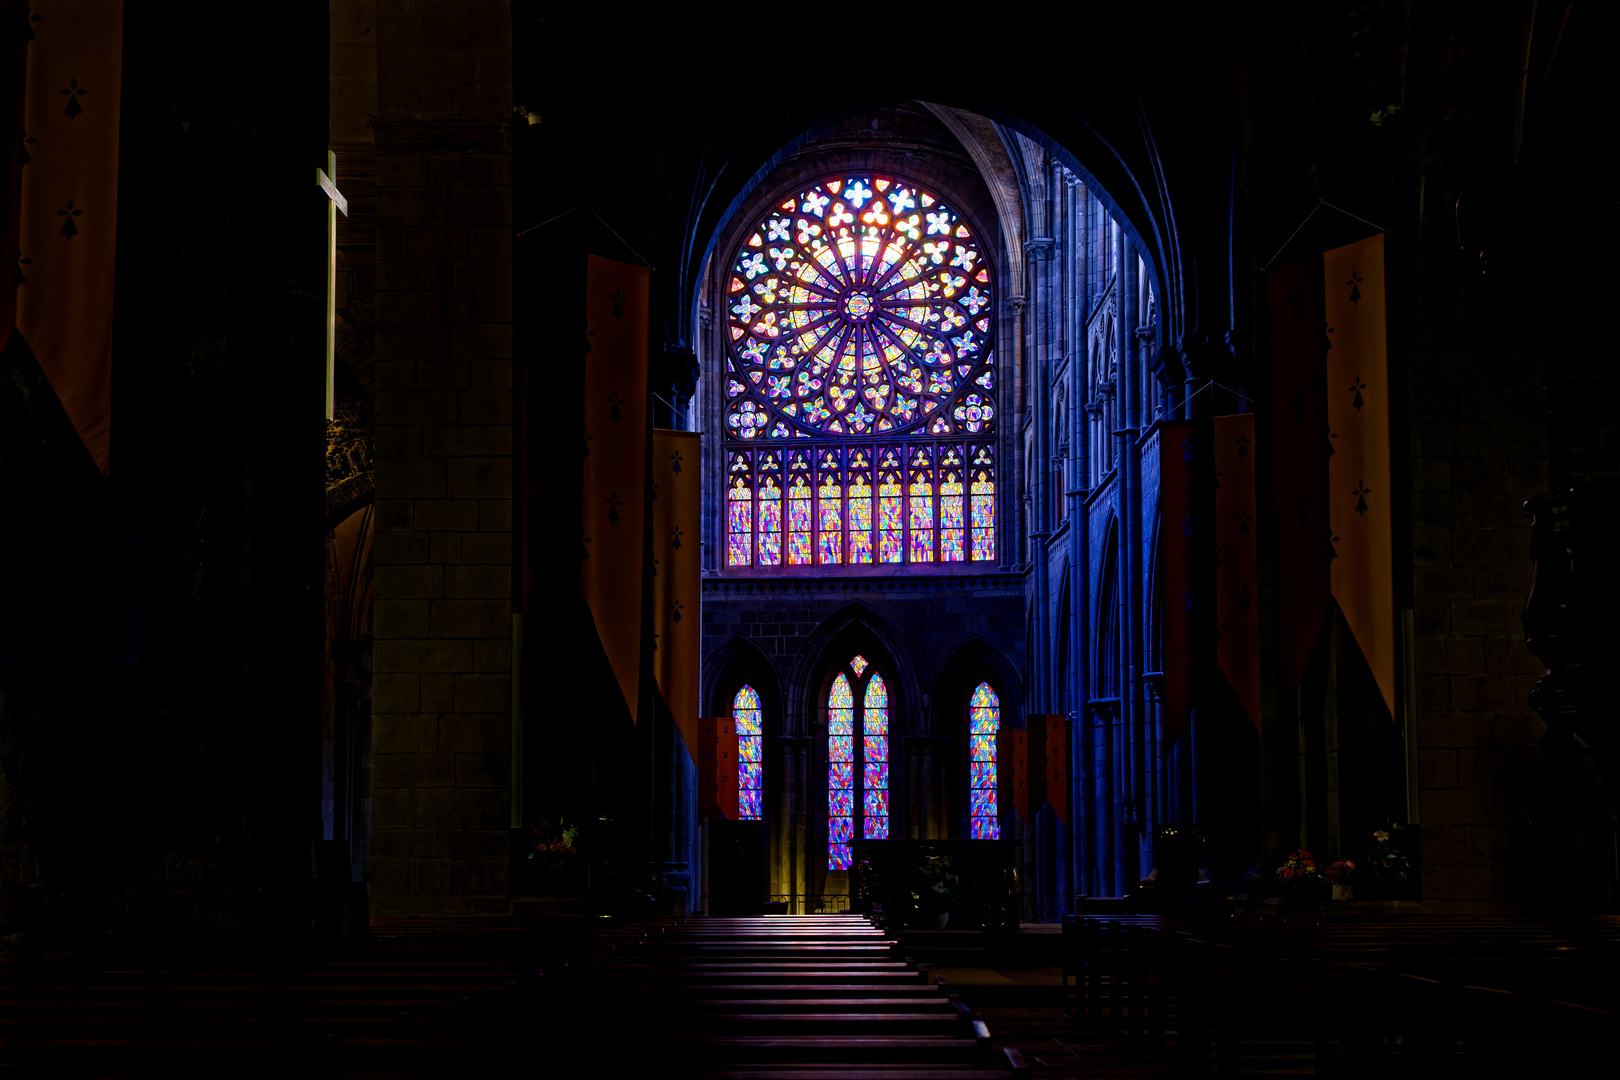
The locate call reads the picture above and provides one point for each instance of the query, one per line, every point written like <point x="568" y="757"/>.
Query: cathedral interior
<point x="1168" y="473"/>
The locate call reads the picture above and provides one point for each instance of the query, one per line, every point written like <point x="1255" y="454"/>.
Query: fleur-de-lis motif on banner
<point x="73" y="92"/>
<point x="68" y="229"/>
<point x="675" y="610"/>
<point x="1355" y="286"/>
<point x="1361" y="492"/>
<point x="1356" y="388"/>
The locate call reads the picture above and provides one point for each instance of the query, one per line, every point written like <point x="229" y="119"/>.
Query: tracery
<point x="860" y="320"/>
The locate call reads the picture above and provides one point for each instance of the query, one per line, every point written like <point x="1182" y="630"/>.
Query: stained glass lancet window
<point x="849" y="756"/>
<point x="840" y="773"/>
<point x="875" y="779"/>
<point x="984" y="718"/>
<point x="748" y="717"/>
<point x="860" y="309"/>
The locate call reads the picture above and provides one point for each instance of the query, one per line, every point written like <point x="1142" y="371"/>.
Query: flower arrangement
<point x="1300" y="877"/>
<point x="1385" y="858"/>
<point x="1298" y="868"/>
<point x="552" y="843"/>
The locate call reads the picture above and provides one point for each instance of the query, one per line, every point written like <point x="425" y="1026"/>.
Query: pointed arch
<point x="855" y="628"/>
<point x="973" y="663"/>
<point x="736" y="663"/>
<point x="1105" y="646"/>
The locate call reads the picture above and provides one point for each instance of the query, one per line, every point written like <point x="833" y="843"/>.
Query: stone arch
<point x="855" y="627"/>
<point x="969" y="663"/>
<point x="739" y="660"/>
<point x="1103" y="650"/>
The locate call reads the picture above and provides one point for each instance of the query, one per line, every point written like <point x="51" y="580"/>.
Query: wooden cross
<point x="335" y="201"/>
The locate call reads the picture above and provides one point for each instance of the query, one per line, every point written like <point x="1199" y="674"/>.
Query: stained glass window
<point x="890" y="547"/>
<point x="840" y="773"/>
<point x="950" y="505"/>
<point x="748" y="716"/>
<point x="770" y="510"/>
<point x="875" y="766"/>
<point x="829" y="512"/>
<point x="984" y="506"/>
<point x="920" y="500"/>
<point x="799" y="520"/>
<point x="859" y="308"/>
<point x="740" y="513"/>
<point x="984" y="719"/>
<point x="849" y="757"/>
<point x="860" y="508"/>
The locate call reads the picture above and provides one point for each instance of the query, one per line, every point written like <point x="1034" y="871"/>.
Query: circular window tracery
<point x="860" y="306"/>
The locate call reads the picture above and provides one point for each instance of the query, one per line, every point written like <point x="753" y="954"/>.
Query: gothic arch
<point x="1103" y="650"/>
<point x="855" y="627"/>
<point x="968" y="664"/>
<point x="740" y="661"/>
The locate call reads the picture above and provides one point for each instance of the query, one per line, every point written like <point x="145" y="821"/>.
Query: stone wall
<point x="442" y="618"/>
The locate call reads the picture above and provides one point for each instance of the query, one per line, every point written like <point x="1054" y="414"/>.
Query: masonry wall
<point x="442" y="616"/>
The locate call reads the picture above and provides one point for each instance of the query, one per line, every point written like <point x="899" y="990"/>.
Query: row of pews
<point x="770" y="998"/>
<point x="1351" y="997"/>
<point x="422" y="1001"/>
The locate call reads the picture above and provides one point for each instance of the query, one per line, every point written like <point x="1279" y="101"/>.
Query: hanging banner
<point x="1237" y="607"/>
<point x="726" y="780"/>
<point x="1013" y="772"/>
<point x="701" y="747"/>
<point x="15" y="33"/>
<point x="67" y="232"/>
<point x="677" y="497"/>
<point x="1298" y="451"/>
<point x="1054" y="761"/>
<point x="1178" y="602"/>
<point x="616" y="462"/>
<point x="1360" y="501"/>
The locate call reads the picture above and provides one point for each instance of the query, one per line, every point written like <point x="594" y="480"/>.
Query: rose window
<point x="861" y="357"/>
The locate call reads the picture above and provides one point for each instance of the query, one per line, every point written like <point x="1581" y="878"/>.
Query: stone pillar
<point x="442" y="618"/>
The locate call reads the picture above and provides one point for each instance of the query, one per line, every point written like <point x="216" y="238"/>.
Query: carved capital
<point x="1016" y="303"/>
<point x="676" y="371"/>
<point x="1040" y="247"/>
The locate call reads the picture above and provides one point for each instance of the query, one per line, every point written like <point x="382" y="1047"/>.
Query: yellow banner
<point x="68" y="232"/>
<point x="1237" y="607"/>
<point x="616" y="462"/>
<point x="1359" y="497"/>
<point x="677" y="491"/>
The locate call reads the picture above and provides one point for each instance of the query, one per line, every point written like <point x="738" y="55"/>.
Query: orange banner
<point x="1360" y="501"/>
<point x="1054" y="730"/>
<point x="1178" y="449"/>
<point x="68" y="225"/>
<point x="1237" y="609"/>
<point x="677" y="492"/>
<point x="616" y="462"/>
<point x="716" y="756"/>
<point x="1012" y="770"/>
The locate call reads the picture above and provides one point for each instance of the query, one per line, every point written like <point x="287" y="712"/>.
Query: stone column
<point x="442" y="617"/>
